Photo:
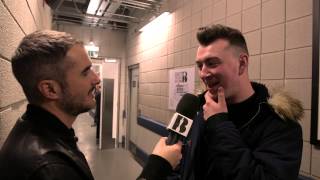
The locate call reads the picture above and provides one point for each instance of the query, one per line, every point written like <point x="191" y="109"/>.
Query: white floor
<point x="109" y="164"/>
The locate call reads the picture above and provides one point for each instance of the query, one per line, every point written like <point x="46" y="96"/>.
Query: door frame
<point x="128" y="97"/>
<point x="315" y="98"/>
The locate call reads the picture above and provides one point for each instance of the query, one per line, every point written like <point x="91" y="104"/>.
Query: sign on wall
<point x="93" y="51"/>
<point x="181" y="81"/>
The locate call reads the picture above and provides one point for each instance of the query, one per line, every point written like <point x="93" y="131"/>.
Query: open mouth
<point x="93" y="91"/>
<point x="211" y="84"/>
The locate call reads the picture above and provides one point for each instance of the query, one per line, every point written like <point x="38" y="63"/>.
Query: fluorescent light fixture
<point x="91" y="47"/>
<point x="93" y="6"/>
<point x="154" y="22"/>
<point x="102" y="7"/>
<point x="110" y="60"/>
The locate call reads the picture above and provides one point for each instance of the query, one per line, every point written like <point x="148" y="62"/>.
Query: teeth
<point x="93" y="92"/>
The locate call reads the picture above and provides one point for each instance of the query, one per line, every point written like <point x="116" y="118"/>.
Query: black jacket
<point x="259" y="139"/>
<point x="41" y="147"/>
<point x="156" y="168"/>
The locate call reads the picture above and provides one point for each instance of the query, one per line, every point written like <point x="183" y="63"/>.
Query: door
<point x="106" y="140"/>
<point x="109" y="105"/>
<point x="133" y="106"/>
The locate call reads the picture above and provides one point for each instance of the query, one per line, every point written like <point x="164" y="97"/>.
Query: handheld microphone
<point x="181" y="121"/>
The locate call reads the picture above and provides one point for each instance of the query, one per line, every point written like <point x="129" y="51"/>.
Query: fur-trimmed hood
<point x="285" y="105"/>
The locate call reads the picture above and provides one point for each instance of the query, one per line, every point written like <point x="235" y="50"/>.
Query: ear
<point x="49" y="89"/>
<point x="243" y="63"/>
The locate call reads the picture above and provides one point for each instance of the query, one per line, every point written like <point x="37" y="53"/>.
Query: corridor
<point x="108" y="164"/>
<point x="145" y="53"/>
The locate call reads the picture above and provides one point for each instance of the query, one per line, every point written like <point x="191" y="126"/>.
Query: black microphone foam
<point x="188" y="107"/>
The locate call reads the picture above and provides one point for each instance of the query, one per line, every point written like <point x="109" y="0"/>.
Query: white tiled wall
<point x="298" y="63"/>
<point x="296" y="9"/>
<point x="253" y="42"/>
<point x="17" y="18"/>
<point x="272" y="65"/>
<point x="249" y="3"/>
<point x="299" y="32"/>
<point x="251" y="19"/>
<point x="11" y="33"/>
<point x="306" y="155"/>
<point x="279" y="38"/>
<point x="234" y="21"/>
<point x="315" y="161"/>
<point x="9" y="88"/>
<point x="273" y="12"/>
<point x="233" y="7"/>
<point x="254" y="67"/>
<point x="23" y="17"/>
<point x="273" y="38"/>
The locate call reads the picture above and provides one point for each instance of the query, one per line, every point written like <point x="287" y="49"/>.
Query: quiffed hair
<point x="40" y="56"/>
<point x="208" y="34"/>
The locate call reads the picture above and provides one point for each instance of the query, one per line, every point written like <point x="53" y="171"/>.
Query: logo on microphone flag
<point x="180" y="124"/>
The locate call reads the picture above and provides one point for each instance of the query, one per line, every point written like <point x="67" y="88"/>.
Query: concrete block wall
<point x="279" y="37"/>
<point x="17" y="18"/>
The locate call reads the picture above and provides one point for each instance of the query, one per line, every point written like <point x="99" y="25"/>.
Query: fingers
<point x="162" y="142"/>
<point x="163" y="139"/>
<point x="209" y="100"/>
<point x="171" y="153"/>
<point x="177" y="155"/>
<point x="221" y="97"/>
<point x="208" y="97"/>
<point x="179" y="143"/>
<point x="214" y="106"/>
<point x="178" y="146"/>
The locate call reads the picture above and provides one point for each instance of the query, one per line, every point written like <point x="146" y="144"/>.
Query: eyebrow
<point x="208" y="59"/>
<point x="86" y="69"/>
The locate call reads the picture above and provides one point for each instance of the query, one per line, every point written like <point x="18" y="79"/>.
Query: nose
<point x="96" y="78"/>
<point x="204" y="71"/>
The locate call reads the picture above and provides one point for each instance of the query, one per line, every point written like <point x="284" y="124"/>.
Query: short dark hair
<point x="40" y="56"/>
<point x="208" y="34"/>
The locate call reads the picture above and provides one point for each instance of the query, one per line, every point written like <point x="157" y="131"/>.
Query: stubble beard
<point x="72" y="105"/>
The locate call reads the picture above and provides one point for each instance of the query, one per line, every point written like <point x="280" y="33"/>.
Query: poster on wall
<point x="181" y="81"/>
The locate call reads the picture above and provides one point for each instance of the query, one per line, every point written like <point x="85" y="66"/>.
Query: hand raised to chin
<point x="212" y="107"/>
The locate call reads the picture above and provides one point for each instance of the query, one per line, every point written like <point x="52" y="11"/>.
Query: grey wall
<point x="17" y="18"/>
<point x="279" y="36"/>
<point x="110" y="42"/>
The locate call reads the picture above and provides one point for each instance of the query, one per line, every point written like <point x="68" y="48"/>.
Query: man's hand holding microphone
<point x="171" y="153"/>
<point x="168" y="150"/>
